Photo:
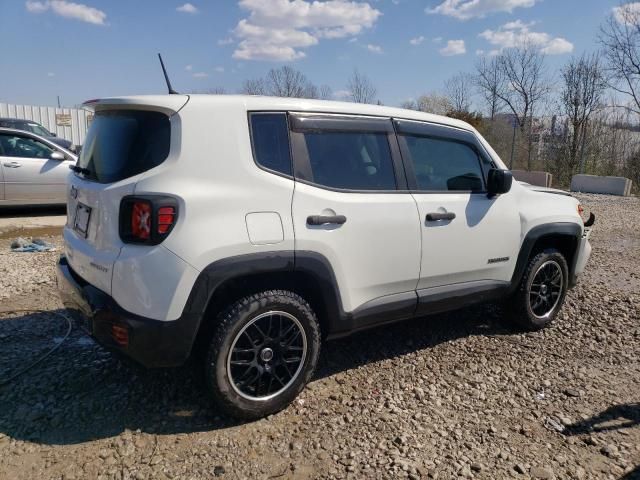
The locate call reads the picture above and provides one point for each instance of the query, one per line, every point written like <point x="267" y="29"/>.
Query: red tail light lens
<point x="141" y="220"/>
<point x="166" y="217"/>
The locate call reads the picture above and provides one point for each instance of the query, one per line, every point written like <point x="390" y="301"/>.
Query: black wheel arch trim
<point x="391" y="308"/>
<point x="565" y="229"/>
<point x="336" y="321"/>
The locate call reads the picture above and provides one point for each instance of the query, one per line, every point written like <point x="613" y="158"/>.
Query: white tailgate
<point x="92" y="257"/>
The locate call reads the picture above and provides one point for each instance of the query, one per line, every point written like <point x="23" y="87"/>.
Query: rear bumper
<point x="152" y="343"/>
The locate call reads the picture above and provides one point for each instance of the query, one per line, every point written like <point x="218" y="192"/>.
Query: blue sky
<point x="96" y="48"/>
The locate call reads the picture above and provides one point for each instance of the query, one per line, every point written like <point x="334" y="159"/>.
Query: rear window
<point x="124" y="143"/>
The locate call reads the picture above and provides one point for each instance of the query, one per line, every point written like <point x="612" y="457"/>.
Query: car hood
<point x="537" y="188"/>
<point x="64" y="143"/>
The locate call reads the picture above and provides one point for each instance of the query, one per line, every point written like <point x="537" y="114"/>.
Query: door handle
<point x="435" y="216"/>
<point x="326" y="219"/>
<point x="13" y="164"/>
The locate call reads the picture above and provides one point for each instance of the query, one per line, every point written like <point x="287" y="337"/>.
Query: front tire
<point x="541" y="292"/>
<point x="264" y="351"/>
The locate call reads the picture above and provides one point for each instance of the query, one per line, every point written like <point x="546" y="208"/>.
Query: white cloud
<point x="187" y="8"/>
<point x="437" y="40"/>
<point x="63" y="8"/>
<point x="374" y="48"/>
<point x="188" y="68"/>
<point x="467" y="9"/>
<point x="279" y="30"/>
<point x="225" y="41"/>
<point x="219" y="69"/>
<point x="51" y="74"/>
<point x="627" y="13"/>
<point x="341" y="94"/>
<point x="453" y="47"/>
<point x="36" y="7"/>
<point x="200" y="75"/>
<point x="417" y="40"/>
<point x="517" y="33"/>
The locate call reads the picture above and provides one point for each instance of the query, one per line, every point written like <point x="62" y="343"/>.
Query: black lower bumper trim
<point x="153" y="343"/>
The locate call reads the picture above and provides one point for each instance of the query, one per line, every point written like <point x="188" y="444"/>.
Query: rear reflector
<point x="120" y="335"/>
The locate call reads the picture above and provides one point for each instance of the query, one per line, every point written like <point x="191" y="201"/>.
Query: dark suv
<point x="34" y="127"/>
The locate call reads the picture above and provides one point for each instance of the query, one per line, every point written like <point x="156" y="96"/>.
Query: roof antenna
<point x="166" y="77"/>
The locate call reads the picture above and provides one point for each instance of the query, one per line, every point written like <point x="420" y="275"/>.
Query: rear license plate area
<point x="81" y="219"/>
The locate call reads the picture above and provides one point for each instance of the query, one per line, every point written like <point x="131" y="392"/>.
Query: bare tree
<point x="211" y="91"/>
<point x="285" y="82"/>
<point x="458" y="92"/>
<point x="289" y="82"/>
<point x="325" y="92"/>
<point x="254" y="86"/>
<point x="360" y="88"/>
<point x="581" y="96"/>
<point x="488" y="82"/>
<point x="431" y="103"/>
<point x="521" y="85"/>
<point x="620" y="39"/>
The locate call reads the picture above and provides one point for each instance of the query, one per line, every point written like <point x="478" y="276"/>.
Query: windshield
<point x="38" y="129"/>
<point x="123" y="143"/>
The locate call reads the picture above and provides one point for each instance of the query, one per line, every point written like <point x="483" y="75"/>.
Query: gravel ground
<point x="456" y="395"/>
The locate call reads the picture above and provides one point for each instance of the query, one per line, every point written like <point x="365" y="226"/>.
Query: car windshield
<point x="37" y="129"/>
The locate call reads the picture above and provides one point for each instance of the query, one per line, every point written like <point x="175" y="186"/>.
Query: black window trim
<point x="250" y="113"/>
<point x="332" y="122"/>
<point x="402" y="163"/>
<point x="348" y="123"/>
<point x="419" y="128"/>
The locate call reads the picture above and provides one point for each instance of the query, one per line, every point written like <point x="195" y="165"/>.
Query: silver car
<point x="33" y="170"/>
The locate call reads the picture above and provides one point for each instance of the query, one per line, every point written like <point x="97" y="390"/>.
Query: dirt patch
<point x="34" y="232"/>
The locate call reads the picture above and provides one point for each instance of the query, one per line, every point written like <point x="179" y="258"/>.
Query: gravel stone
<point x="453" y="394"/>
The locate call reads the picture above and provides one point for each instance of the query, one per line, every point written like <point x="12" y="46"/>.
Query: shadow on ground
<point x="81" y="392"/>
<point x="616" y="417"/>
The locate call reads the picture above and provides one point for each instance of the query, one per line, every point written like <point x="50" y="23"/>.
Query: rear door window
<point x="350" y="160"/>
<point x="124" y="143"/>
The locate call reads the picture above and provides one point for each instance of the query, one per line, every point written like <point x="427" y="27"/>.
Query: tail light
<point x="147" y="219"/>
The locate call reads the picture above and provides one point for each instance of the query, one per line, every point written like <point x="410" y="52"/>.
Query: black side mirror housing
<point x="498" y="181"/>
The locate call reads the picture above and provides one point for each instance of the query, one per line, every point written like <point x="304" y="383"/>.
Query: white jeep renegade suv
<point x="250" y="228"/>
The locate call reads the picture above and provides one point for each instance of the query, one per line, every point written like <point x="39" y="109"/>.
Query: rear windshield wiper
<point x="82" y="170"/>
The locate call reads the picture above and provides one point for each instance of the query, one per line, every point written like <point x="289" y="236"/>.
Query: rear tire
<point x="541" y="292"/>
<point x="263" y="352"/>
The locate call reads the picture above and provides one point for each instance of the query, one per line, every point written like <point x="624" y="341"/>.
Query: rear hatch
<point x="127" y="138"/>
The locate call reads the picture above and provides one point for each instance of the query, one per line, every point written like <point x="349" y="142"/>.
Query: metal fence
<point x="69" y="123"/>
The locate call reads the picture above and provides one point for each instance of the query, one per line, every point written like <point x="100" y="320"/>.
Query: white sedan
<point x="33" y="170"/>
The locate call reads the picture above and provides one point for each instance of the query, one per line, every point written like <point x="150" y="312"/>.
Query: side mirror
<point x="499" y="181"/>
<point x="53" y="134"/>
<point x="58" y="156"/>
